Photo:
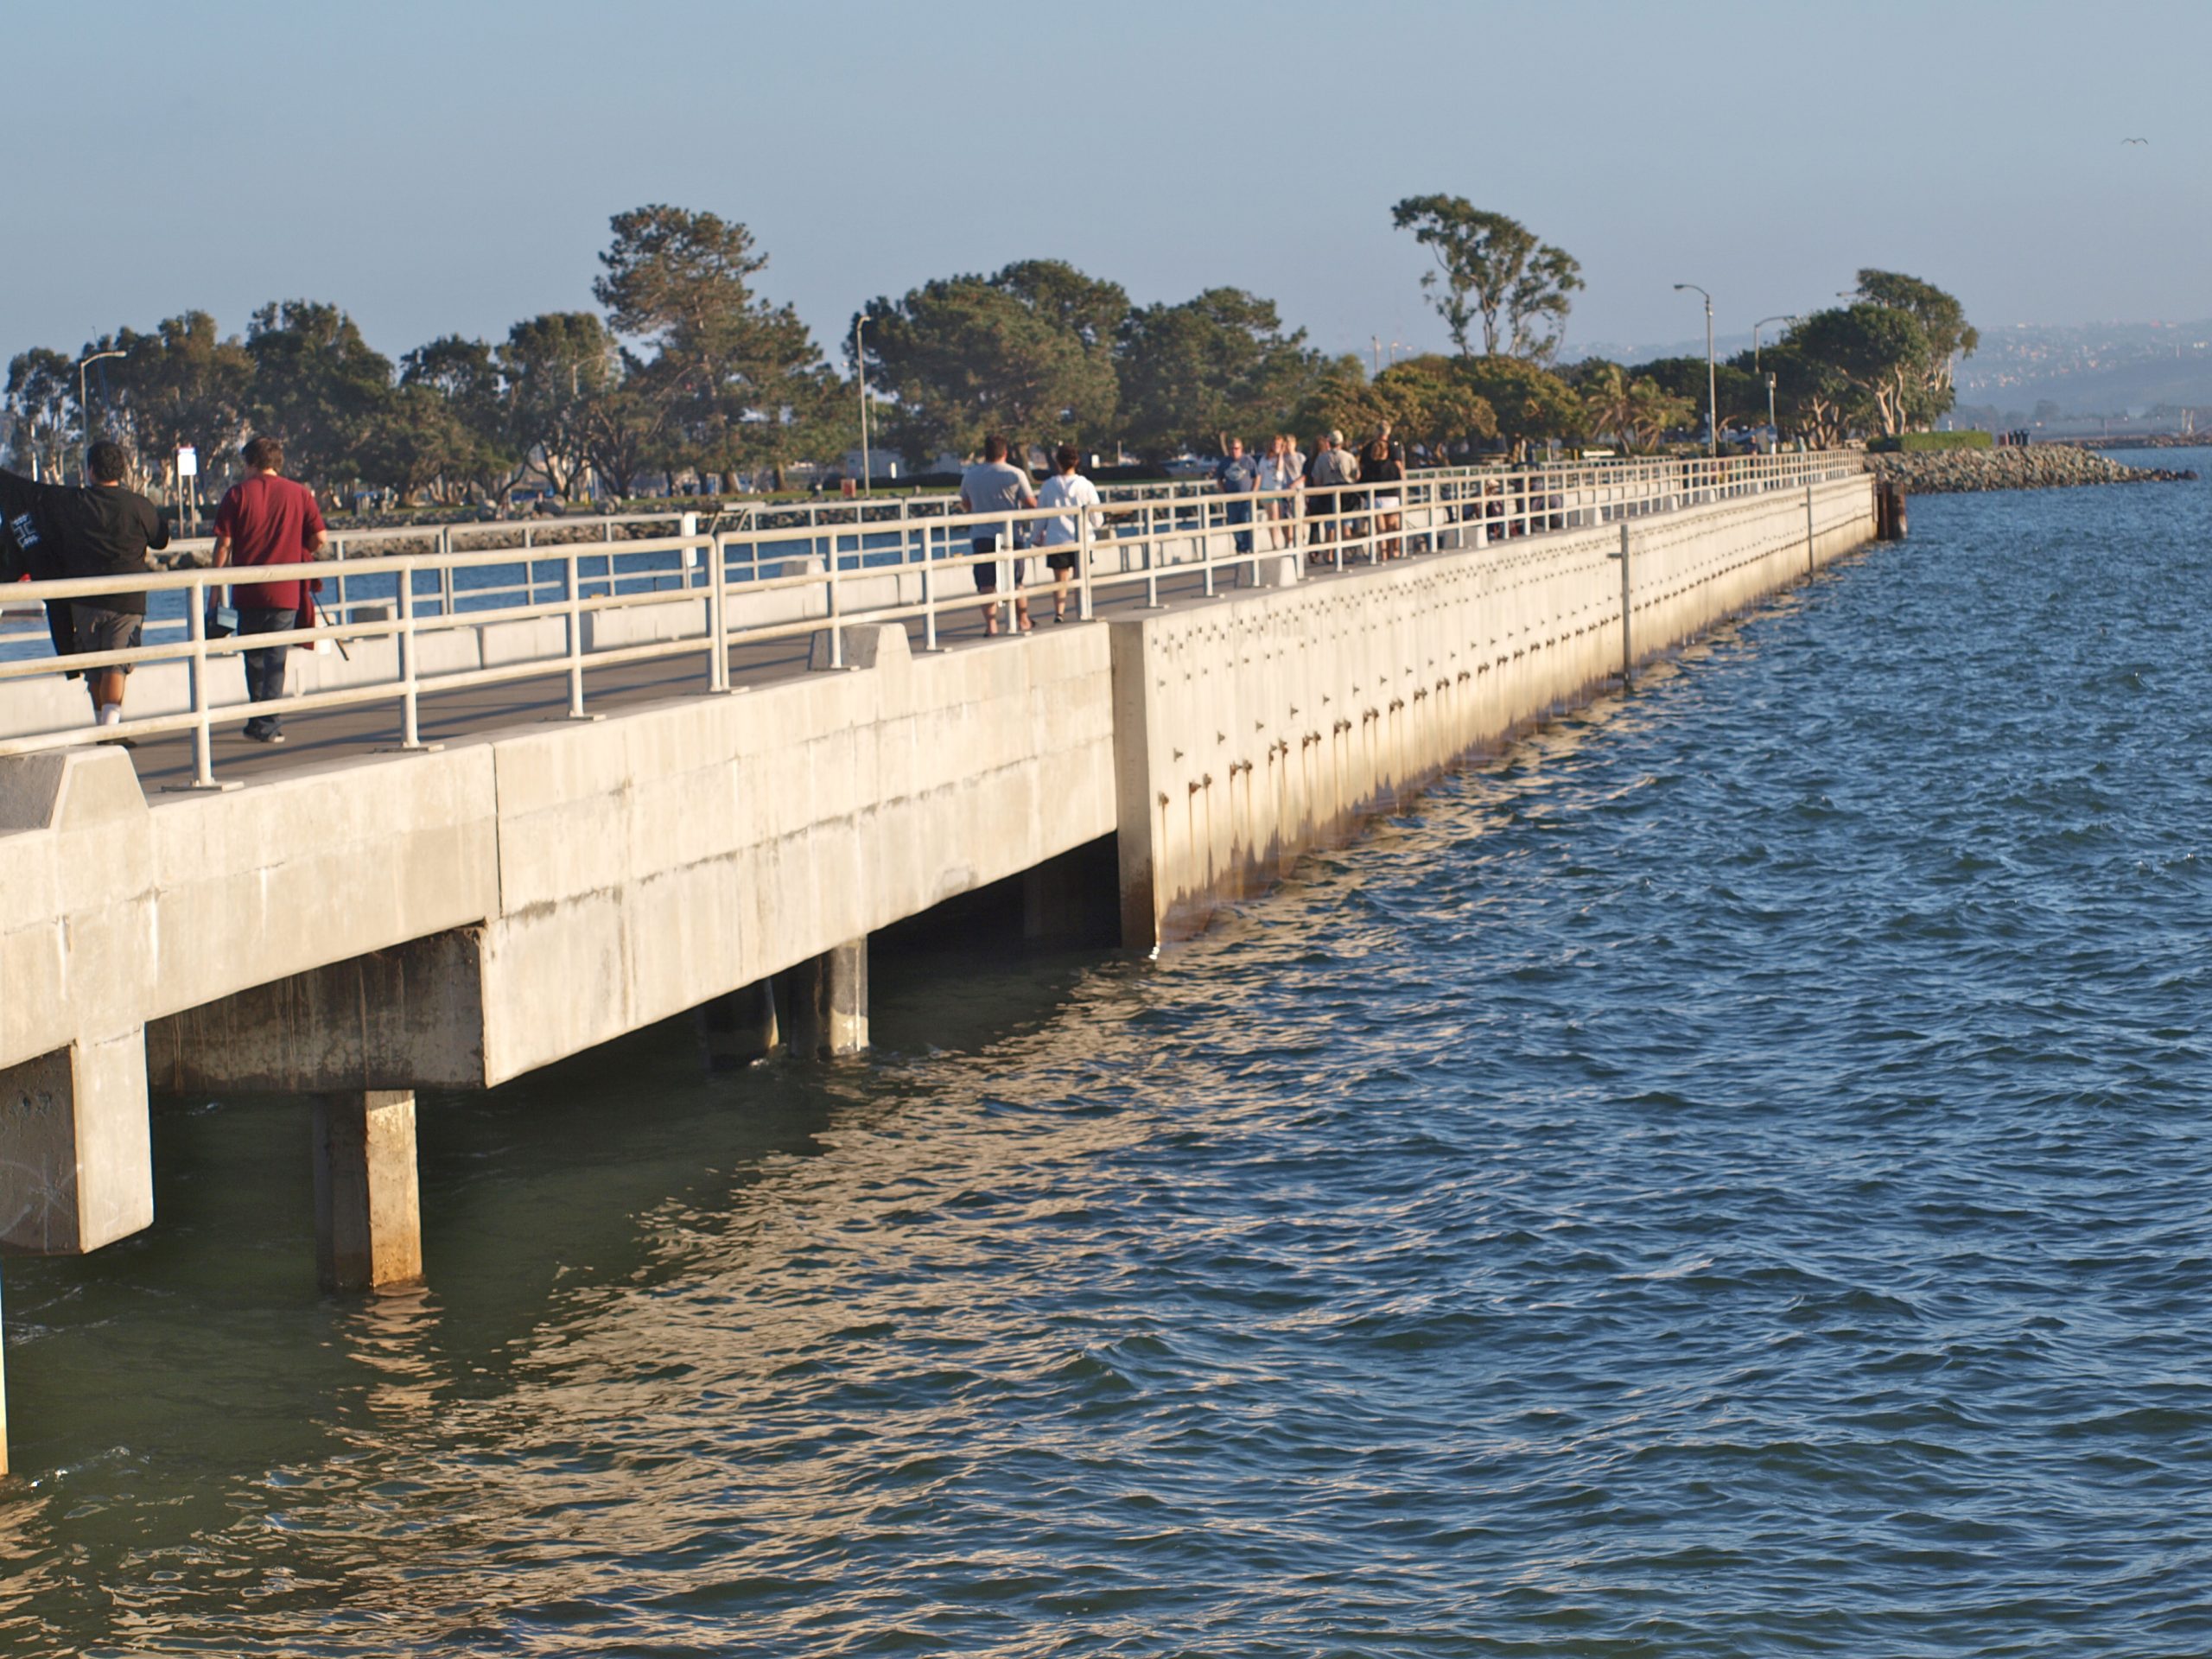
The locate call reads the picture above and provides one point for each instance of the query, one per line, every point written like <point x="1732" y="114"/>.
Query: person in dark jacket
<point x="98" y="529"/>
<point x="29" y="556"/>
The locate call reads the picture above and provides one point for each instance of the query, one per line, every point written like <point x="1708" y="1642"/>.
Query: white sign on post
<point x="188" y="462"/>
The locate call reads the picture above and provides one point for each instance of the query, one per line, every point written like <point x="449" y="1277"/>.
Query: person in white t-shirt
<point x="1065" y="488"/>
<point x="996" y="485"/>
<point x="1282" y="469"/>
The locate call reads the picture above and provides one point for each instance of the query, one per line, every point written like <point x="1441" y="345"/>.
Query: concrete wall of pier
<point x="459" y="918"/>
<point x="1250" y="732"/>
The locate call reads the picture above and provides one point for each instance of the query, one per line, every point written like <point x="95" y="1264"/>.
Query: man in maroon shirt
<point x="268" y="519"/>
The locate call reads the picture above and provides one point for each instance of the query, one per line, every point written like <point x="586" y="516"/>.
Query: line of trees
<point x="685" y="369"/>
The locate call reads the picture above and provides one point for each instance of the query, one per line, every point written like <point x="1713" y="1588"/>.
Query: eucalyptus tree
<point x="1027" y="352"/>
<point x="1528" y="402"/>
<point x="466" y="426"/>
<point x="1494" y="272"/>
<point x="1943" y="319"/>
<point x="318" y="386"/>
<point x="741" y="379"/>
<point x="553" y="368"/>
<point x="1218" y="365"/>
<point x="1432" y="401"/>
<point x="1878" y="354"/>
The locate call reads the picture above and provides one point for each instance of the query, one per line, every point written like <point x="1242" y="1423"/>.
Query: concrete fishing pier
<point x="438" y="885"/>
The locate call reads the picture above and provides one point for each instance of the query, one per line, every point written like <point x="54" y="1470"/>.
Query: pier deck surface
<point x="338" y="735"/>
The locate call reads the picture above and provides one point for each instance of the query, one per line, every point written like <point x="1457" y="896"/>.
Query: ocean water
<point x="1729" y="1177"/>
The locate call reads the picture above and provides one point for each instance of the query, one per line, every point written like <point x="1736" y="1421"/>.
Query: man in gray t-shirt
<point x="995" y="485"/>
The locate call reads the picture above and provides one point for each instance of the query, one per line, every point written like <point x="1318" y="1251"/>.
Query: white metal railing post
<point x="203" y="738"/>
<point x="572" y="599"/>
<point x="445" y="571"/>
<point x="836" y="610"/>
<point x="410" y="736"/>
<point x="718" y="604"/>
<point x="1151" y="558"/>
<point x="1205" y="544"/>
<point x="929" y="595"/>
<point x="1083" y="537"/>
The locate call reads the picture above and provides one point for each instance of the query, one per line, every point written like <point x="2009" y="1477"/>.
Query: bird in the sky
<point x="2135" y="141"/>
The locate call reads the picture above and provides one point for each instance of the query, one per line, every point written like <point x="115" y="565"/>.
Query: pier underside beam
<point x="368" y="1224"/>
<point x="403" y="1018"/>
<point x="76" y="1157"/>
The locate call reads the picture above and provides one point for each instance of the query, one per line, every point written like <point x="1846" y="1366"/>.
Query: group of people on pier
<point x="1287" y="483"/>
<point x="1318" y="487"/>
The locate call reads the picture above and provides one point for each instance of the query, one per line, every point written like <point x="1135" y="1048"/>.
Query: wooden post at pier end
<point x="368" y="1221"/>
<point x="1889" y="510"/>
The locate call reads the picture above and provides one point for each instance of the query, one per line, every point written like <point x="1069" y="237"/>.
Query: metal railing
<point x="741" y="580"/>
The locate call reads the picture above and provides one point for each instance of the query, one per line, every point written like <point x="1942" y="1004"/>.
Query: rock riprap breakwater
<point x="2031" y="466"/>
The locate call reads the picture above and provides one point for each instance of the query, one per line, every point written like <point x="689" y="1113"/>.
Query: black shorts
<point x="97" y="628"/>
<point x="1318" y="505"/>
<point x="987" y="573"/>
<point x="1062" y="560"/>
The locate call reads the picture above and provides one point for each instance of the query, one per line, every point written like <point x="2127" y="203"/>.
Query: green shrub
<point x="1922" y="441"/>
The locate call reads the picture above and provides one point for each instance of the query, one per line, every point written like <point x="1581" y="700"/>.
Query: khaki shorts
<point x="97" y="628"/>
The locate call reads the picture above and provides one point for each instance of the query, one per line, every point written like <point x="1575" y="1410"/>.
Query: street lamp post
<point x="860" y="367"/>
<point x="84" y="408"/>
<point x="1711" y="375"/>
<point x="1790" y="317"/>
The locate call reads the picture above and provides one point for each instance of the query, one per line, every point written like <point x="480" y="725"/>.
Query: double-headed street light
<point x="1787" y="316"/>
<point x="1711" y="375"/>
<point x="85" y="412"/>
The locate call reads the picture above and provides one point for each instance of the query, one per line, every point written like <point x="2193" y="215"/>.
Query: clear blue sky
<point x="451" y="167"/>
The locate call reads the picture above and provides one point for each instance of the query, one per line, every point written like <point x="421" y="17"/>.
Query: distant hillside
<point x="2033" y="371"/>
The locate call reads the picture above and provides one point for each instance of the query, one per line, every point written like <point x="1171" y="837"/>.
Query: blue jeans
<point x="264" y="669"/>
<point x="1239" y="512"/>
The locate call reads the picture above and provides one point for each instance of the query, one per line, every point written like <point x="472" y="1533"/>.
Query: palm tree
<point x="1652" y="413"/>
<point x="1608" y="406"/>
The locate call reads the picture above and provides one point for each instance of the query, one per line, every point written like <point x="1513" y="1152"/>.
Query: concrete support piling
<point x="828" y="998"/>
<point x="368" y="1226"/>
<point x="740" y="1028"/>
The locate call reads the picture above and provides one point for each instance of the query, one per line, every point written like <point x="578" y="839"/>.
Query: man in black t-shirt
<point x="97" y="530"/>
